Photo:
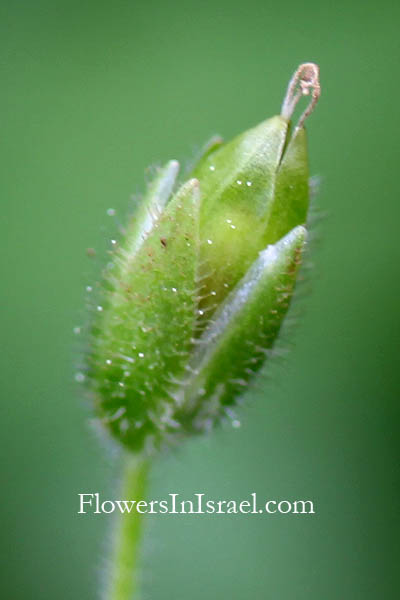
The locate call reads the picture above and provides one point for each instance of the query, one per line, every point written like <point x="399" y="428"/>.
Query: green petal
<point x="244" y="328"/>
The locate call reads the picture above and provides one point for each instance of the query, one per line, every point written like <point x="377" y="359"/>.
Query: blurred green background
<point x="92" y="93"/>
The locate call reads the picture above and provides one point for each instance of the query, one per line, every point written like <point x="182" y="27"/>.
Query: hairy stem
<point x="123" y="583"/>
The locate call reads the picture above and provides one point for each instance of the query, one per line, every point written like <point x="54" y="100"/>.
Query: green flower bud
<point x="200" y="285"/>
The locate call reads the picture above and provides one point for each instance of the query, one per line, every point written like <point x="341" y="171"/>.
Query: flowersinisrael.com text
<point x="198" y="505"/>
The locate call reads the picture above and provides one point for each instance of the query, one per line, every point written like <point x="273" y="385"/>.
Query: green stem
<point x="124" y="572"/>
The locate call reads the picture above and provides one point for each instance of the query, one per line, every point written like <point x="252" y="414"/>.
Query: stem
<point x="123" y="583"/>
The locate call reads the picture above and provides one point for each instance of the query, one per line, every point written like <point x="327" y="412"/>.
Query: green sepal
<point x="151" y="205"/>
<point x="292" y="189"/>
<point x="144" y="333"/>
<point x="243" y="330"/>
<point x="244" y="206"/>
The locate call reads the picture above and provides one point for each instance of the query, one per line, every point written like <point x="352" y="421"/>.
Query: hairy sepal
<point x="151" y="206"/>
<point x="144" y="333"/>
<point x="244" y="328"/>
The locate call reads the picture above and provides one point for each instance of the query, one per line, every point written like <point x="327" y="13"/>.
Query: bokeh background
<point x="92" y="93"/>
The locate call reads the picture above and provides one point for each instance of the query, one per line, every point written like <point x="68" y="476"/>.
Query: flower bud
<point x="201" y="283"/>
